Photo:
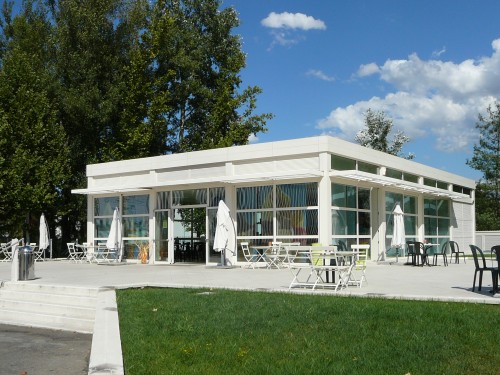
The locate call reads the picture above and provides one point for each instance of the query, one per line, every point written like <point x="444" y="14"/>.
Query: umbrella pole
<point x="223" y="257"/>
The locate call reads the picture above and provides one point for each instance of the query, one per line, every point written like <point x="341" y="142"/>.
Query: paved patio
<point x="389" y="280"/>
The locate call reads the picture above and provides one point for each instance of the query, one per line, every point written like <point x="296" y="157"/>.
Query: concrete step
<point x="86" y="312"/>
<point x="48" y="306"/>
<point x="47" y="298"/>
<point x="64" y="323"/>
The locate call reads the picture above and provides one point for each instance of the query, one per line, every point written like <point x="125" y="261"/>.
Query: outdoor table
<point x="261" y="252"/>
<point x="427" y="247"/>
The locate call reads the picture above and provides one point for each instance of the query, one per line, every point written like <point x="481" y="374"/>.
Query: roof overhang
<point x="237" y="179"/>
<point x="399" y="184"/>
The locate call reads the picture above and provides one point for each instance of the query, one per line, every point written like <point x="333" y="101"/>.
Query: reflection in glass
<point x="161" y="235"/>
<point x="430" y="224"/>
<point x="364" y="223"/>
<point x="135" y="226"/>
<point x="255" y="197"/>
<point x="297" y="222"/>
<point x="136" y="205"/>
<point x="363" y="199"/>
<point x="162" y="200"/>
<point x="255" y="223"/>
<point x="409" y="205"/>
<point x="216" y="194"/>
<point x="102" y="227"/>
<point x="105" y="206"/>
<point x="443" y="227"/>
<point x="189" y="197"/>
<point x="297" y="195"/>
<point x="343" y="222"/>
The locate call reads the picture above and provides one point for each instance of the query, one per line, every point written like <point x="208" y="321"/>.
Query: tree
<point x="195" y="70"/>
<point x="486" y="158"/>
<point x="376" y="132"/>
<point x="116" y="79"/>
<point x="33" y="147"/>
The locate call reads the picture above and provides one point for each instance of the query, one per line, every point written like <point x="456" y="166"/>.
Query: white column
<point x="378" y="244"/>
<point x="325" y="200"/>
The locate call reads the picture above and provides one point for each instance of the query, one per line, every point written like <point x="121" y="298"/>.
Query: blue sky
<point x="431" y="66"/>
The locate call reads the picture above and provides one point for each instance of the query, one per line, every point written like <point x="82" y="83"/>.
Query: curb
<point x="106" y="351"/>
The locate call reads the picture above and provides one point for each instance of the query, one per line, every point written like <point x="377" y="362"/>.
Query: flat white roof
<point x="255" y="153"/>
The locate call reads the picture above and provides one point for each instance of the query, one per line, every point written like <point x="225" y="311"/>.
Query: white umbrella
<point x="44" y="233"/>
<point x="115" y="234"/>
<point x="398" y="236"/>
<point x="221" y="238"/>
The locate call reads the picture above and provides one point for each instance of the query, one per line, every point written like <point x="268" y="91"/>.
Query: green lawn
<point x="201" y="331"/>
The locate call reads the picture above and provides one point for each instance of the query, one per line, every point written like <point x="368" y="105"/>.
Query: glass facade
<point x="408" y="204"/>
<point x="284" y="212"/>
<point x="135" y="221"/>
<point x="351" y="215"/>
<point x="436" y="221"/>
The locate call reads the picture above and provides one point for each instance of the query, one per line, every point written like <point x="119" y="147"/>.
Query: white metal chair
<point x="358" y="274"/>
<point x="37" y="252"/>
<point x="251" y="259"/>
<point x="272" y="255"/>
<point x="6" y="252"/>
<point x="74" y="254"/>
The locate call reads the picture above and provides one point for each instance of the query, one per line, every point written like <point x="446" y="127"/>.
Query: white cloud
<point x="437" y="98"/>
<point x="436" y="54"/>
<point x="287" y="20"/>
<point x="368" y="70"/>
<point x="321" y="75"/>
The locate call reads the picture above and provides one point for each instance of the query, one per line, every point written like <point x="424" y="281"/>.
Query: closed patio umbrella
<point x="44" y="234"/>
<point x="398" y="237"/>
<point x="224" y="225"/>
<point x="115" y="234"/>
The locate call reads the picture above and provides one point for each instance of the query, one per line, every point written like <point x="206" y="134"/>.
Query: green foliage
<point x="34" y="153"/>
<point x="376" y="132"/>
<point x="486" y="158"/>
<point x="201" y="331"/>
<point x="107" y="80"/>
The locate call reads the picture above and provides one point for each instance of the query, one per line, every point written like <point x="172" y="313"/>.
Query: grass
<point x="201" y="331"/>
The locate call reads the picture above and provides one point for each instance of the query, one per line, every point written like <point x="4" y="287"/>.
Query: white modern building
<point x="311" y="190"/>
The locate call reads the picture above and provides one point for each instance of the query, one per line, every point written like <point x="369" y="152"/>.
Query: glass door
<point x="190" y="235"/>
<point x="161" y="236"/>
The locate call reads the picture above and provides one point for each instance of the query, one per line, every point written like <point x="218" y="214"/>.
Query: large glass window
<point x="189" y="197"/>
<point x="408" y="204"/>
<point x="135" y="220"/>
<point x="436" y="222"/>
<point x="284" y="212"/>
<point x="103" y="215"/>
<point x="351" y="216"/>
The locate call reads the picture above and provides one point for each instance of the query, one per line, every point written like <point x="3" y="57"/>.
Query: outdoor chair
<point x="6" y="252"/>
<point x="358" y="274"/>
<point x="417" y="252"/>
<point x="496" y="250"/>
<point x="251" y="259"/>
<point x="441" y="252"/>
<point x="37" y="252"/>
<point x="480" y="265"/>
<point x="74" y="254"/>
<point x="272" y="255"/>
<point x="410" y="252"/>
<point x="455" y="251"/>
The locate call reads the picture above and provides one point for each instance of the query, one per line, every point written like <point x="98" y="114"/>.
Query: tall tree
<point x="124" y="79"/>
<point x="195" y="68"/>
<point x="34" y="152"/>
<point x="486" y="158"/>
<point x="376" y="133"/>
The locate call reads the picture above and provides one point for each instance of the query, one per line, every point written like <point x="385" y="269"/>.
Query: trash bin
<point x="26" y="263"/>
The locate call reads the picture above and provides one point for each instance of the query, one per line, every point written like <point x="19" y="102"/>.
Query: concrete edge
<point x="106" y="351"/>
